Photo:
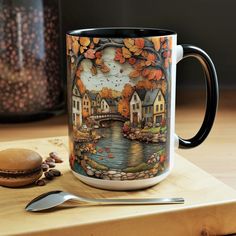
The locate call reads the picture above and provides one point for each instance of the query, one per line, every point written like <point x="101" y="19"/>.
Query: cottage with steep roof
<point x="136" y="106"/>
<point x="76" y="107"/>
<point x="108" y="105"/>
<point x="154" y="106"/>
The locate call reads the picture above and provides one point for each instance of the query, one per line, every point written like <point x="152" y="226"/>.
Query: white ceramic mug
<point x="121" y="103"/>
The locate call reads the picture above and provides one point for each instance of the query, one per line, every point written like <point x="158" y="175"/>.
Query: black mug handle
<point x="212" y="92"/>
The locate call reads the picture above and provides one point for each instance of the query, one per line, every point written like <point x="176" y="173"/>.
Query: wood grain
<point x="210" y="205"/>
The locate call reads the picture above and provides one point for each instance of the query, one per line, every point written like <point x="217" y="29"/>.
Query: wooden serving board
<point x="210" y="207"/>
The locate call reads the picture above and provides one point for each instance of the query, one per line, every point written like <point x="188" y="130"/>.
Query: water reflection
<point x="118" y="152"/>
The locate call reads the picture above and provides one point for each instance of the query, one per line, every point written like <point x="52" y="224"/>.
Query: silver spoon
<point x="55" y="198"/>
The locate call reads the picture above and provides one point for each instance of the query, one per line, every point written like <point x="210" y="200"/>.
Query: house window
<point x="87" y="103"/>
<point x="106" y="106"/>
<point x="133" y="106"/>
<point x="137" y="105"/>
<point x="73" y="103"/>
<point x="161" y="107"/>
<point x="84" y="103"/>
<point x="87" y="110"/>
<point x="135" y="97"/>
<point x="159" y="97"/>
<point x="157" y="108"/>
<point x="78" y="107"/>
<point x="85" y="97"/>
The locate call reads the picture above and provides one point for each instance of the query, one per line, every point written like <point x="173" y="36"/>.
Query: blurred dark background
<point x="207" y="24"/>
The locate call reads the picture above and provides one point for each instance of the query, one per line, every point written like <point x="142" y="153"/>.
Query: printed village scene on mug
<point x="120" y="93"/>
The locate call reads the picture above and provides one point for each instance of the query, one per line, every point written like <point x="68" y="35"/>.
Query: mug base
<point x="121" y="185"/>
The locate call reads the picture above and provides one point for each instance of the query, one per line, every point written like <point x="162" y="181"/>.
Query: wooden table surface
<point x="217" y="155"/>
<point x="209" y="208"/>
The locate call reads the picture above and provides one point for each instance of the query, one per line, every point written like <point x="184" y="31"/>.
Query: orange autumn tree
<point x="123" y="107"/>
<point x="106" y="92"/>
<point x="127" y="91"/>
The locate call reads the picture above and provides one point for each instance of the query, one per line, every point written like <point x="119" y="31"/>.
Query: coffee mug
<point x="121" y="104"/>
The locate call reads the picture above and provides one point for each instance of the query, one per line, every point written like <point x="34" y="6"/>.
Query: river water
<point x="118" y="152"/>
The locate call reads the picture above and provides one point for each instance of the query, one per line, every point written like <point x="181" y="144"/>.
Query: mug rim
<point x="121" y="32"/>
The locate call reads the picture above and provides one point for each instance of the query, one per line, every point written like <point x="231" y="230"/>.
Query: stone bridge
<point x="100" y="117"/>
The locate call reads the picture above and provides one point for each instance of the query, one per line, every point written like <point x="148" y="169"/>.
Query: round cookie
<point x="19" y="167"/>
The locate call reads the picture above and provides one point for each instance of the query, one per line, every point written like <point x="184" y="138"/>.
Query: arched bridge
<point x="108" y="116"/>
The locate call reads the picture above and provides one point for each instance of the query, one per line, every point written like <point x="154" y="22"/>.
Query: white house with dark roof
<point x="154" y="106"/>
<point x="76" y="107"/>
<point x="108" y="105"/>
<point x="136" y="106"/>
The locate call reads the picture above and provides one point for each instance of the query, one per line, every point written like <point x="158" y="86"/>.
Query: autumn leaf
<point x="140" y="65"/>
<point x="75" y="47"/>
<point x="119" y="57"/>
<point x="98" y="55"/>
<point x="90" y="54"/>
<point x="156" y="43"/>
<point x="74" y="38"/>
<point x="150" y="59"/>
<point x="128" y="42"/>
<point x="96" y="40"/>
<point x="136" y="50"/>
<point x="99" y="61"/>
<point x="104" y="68"/>
<point x="144" y="53"/>
<point x="134" y="74"/>
<point x="126" y="53"/>
<point x="139" y="43"/>
<point x="152" y="74"/>
<point x="93" y="70"/>
<point x="158" y="74"/>
<point x="84" y="41"/>
<point x="82" y="49"/>
<point x="145" y="73"/>
<point x="132" y="61"/>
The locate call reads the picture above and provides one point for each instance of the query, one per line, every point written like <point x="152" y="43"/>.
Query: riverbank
<point x="147" y="134"/>
<point x="97" y="170"/>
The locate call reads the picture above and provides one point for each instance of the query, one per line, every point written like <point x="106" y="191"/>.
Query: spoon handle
<point x="140" y="201"/>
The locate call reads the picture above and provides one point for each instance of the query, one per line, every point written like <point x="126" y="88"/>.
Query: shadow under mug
<point x="121" y="103"/>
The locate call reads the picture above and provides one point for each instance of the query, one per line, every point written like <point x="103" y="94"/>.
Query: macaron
<point x="19" y="167"/>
